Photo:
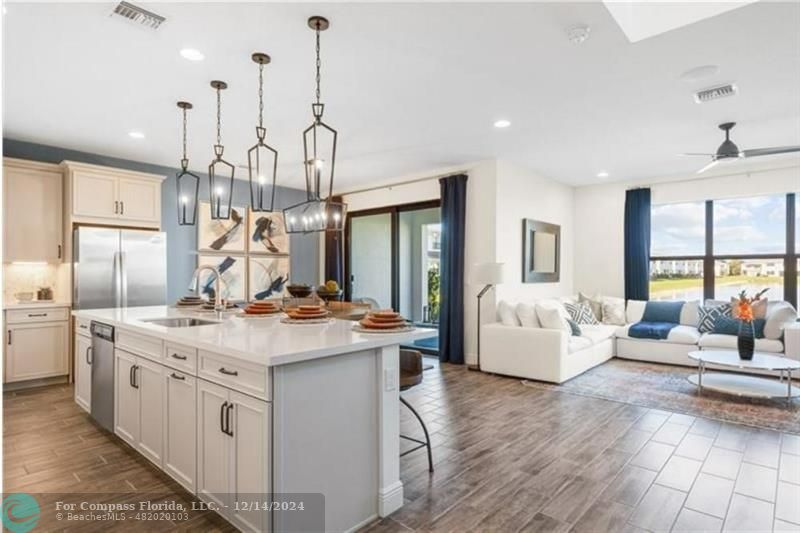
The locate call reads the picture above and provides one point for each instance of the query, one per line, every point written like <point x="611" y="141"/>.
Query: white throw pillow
<point x="553" y="318"/>
<point x="526" y="314"/>
<point x="506" y="313"/>
<point x="595" y="302"/>
<point x="778" y="315"/>
<point x="635" y="311"/>
<point x="613" y="311"/>
<point x="690" y="313"/>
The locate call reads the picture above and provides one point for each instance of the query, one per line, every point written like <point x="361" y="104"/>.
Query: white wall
<point x="600" y="209"/>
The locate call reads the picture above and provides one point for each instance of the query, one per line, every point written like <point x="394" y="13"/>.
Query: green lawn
<point x="661" y="285"/>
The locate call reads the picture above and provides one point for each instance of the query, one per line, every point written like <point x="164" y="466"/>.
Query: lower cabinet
<point x="180" y="446"/>
<point x="233" y="445"/>
<point x="83" y="372"/>
<point x="139" y="414"/>
<point x="36" y="350"/>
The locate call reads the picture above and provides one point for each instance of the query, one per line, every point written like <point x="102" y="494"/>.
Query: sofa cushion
<point x="728" y="342"/>
<point x="581" y="313"/>
<point x="709" y="313"/>
<point x="598" y="333"/>
<point x="634" y="311"/>
<point x="506" y="314"/>
<point x="690" y="314"/>
<point x="576" y="344"/>
<point x="553" y="318"/>
<point x="613" y="311"/>
<point x="779" y="315"/>
<point x="726" y="325"/>
<point x="680" y="334"/>
<point x="594" y="302"/>
<point x="663" y="311"/>
<point x="526" y="314"/>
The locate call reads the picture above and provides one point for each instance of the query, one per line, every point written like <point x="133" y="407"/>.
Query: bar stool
<point x="410" y="376"/>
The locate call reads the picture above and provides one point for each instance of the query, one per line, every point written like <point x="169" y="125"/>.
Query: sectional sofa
<point x="521" y="344"/>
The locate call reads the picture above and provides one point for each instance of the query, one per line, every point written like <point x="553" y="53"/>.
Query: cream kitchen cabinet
<point x="32" y="216"/>
<point x="140" y="386"/>
<point x="83" y="371"/>
<point x="180" y="446"/>
<point x="111" y="196"/>
<point x="37" y="344"/>
<point x="233" y="453"/>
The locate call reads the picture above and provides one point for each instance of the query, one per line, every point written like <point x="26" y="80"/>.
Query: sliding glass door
<point x="370" y="250"/>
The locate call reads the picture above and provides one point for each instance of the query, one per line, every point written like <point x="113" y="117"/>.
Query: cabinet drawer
<point x="238" y="375"/>
<point x="181" y="357"/>
<point x="48" y="314"/>
<point x="82" y="326"/>
<point x="140" y="344"/>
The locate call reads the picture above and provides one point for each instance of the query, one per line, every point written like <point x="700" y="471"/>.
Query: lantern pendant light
<point x="188" y="183"/>
<point x="318" y="212"/>
<point x="262" y="159"/>
<point x="220" y="172"/>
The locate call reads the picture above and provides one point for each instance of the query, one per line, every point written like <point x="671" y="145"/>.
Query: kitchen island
<point x="245" y="407"/>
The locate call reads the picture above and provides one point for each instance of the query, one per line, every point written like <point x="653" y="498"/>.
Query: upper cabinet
<point x="32" y="216"/>
<point x="111" y="196"/>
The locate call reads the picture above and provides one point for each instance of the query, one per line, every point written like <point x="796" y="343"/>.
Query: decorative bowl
<point x="299" y="291"/>
<point x="329" y="295"/>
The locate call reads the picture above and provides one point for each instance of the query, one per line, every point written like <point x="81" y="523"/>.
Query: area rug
<point x="665" y="387"/>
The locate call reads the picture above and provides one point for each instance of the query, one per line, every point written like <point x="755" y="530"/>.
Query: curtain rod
<point x="406" y="182"/>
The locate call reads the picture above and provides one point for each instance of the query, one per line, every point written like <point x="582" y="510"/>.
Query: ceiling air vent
<point x="715" y="93"/>
<point x="139" y="15"/>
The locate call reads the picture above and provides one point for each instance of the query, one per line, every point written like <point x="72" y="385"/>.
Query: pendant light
<point x="220" y="172"/>
<point x="262" y="159"/>
<point x="188" y="183"/>
<point x="317" y="213"/>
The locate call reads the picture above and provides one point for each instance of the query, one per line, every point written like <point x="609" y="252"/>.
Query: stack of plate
<point x="386" y="321"/>
<point x="261" y="308"/>
<point x="209" y="305"/>
<point x="307" y="314"/>
<point x="189" y="301"/>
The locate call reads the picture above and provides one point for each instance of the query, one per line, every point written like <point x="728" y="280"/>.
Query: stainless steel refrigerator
<point x="118" y="268"/>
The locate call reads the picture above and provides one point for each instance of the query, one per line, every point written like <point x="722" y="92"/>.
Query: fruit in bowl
<point x="329" y="291"/>
<point x="299" y="290"/>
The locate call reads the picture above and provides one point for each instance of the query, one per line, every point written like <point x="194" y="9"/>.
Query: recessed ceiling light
<point x="602" y="174"/>
<point x="136" y="134"/>
<point x="192" y="55"/>
<point x="502" y="123"/>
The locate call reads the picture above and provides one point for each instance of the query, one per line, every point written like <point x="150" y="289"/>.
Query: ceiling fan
<point x="729" y="150"/>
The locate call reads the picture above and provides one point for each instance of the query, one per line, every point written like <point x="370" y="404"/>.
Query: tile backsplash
<point x="30" y="277"/>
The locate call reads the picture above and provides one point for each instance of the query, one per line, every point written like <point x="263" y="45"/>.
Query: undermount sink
<point x="180" y="322"/>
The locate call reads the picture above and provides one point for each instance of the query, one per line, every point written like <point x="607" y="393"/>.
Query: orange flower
<point x="745" y="311"/>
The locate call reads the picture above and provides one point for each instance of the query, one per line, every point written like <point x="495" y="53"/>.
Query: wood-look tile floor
<point x="514" y="458"/>
<point x="507" y="458"/>
<point x="51" y="446"/>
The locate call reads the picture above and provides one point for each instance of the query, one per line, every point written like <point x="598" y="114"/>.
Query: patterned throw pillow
<point x="709" y="315"/>
<point x="581" y="313"/>
<point x="576" y="329"/>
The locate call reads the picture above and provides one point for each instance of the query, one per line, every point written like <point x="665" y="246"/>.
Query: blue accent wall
<point x="182" y="240"/>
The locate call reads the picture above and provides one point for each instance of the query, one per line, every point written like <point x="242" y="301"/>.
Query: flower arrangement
<point x="745" y="304"/>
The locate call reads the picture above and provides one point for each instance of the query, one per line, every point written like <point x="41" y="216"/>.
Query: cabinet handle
<point x="122" y="208"/>
<point x="116" y="207"/>
<point x="83" y="326"/>
<point x="228" y="419"/>
<point x="59" y="251"/>
<point x="33" y="315"/>
<point x="136" y="376"/>
<point x="227" y="372"/>
<point x="88" y="351"/>
<point x="179" y="357"/>
<point x="130" y="375"/>
<point x="176" y="376"/>
<point x="222" y="411"/>
<point x="9" y="337"/>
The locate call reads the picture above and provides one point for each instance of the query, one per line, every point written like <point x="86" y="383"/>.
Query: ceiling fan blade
<point x="692" y="154"/>
<point x="709" y="166"/>
<point x="770" y="151"/>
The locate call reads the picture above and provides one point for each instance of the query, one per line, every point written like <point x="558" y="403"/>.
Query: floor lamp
<point x="488" y="275"/>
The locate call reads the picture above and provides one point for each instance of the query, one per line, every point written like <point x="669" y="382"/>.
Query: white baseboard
<point x="390" y="498"/>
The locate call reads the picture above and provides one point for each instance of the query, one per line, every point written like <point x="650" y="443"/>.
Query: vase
<point x="746" y="340"/>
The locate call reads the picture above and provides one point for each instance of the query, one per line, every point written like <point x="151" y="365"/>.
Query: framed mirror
<point x="541" y="251"/>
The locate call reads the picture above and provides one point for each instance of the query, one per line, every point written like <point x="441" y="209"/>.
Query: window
<point x="749" y="242"/>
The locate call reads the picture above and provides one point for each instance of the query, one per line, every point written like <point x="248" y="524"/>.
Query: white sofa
<point x="535" y="352"/>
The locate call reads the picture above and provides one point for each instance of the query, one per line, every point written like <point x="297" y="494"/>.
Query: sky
<point x="742" y="226"/>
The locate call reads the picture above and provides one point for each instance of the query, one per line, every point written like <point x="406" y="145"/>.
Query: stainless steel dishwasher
<point x="101" y="358"/>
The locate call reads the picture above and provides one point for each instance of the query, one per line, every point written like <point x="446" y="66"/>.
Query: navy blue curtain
<point x="334" y="253"/>
<point x="637" y="244"/>
<point x="451" y="285"/>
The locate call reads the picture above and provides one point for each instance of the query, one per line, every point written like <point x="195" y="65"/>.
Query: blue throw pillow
<point x="708" y="316"/>
<point x="726" y="325"/>
<point x="576" y="329"/>
<point x="663" y="312"/>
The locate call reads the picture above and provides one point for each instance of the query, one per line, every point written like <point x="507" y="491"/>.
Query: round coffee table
<point x="743" y="385"/>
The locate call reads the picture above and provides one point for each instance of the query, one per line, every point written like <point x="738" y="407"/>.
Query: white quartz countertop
<point x="34" y="304"/>
<point x="264" y="341"/>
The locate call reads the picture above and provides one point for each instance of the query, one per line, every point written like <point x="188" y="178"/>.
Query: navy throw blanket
<point x="651" y="330"/>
